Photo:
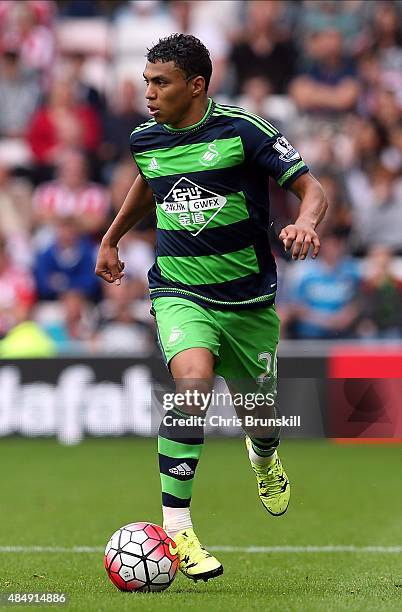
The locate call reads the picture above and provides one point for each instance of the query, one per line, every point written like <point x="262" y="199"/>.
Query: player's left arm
<point x="301" y="235"/>
<point x="270" y="153"/>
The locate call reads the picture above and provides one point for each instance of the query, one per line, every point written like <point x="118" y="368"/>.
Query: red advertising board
<point x="365" y="395"/>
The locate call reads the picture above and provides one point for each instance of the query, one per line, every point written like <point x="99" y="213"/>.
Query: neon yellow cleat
<point x="195" y="562"/>
<point x="273" y="485"/>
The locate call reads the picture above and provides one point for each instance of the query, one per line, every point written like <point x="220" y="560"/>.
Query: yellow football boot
<point x="273" y="484"/>
<point x="195" y="562"/>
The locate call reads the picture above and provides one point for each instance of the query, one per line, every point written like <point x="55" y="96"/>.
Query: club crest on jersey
<point x="194" y="205"/>
<point x="211" y="156"/>
<point x="287" y="152"/>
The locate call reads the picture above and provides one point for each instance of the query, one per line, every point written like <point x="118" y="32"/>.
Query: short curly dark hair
<point x="187" y="52"/>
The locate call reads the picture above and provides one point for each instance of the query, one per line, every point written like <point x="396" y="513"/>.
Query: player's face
<point x="169" y="94"/>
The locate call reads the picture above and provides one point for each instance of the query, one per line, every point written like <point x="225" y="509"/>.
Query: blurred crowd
<point x="327" y="73"/>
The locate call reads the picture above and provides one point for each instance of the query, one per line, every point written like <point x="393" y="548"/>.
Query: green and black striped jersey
<point x="211" y="192"/>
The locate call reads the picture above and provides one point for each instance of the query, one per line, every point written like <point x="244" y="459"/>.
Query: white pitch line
<point x="50" y="549"/>
<point x="229" y="549"/>
<point x="308" y="549"/>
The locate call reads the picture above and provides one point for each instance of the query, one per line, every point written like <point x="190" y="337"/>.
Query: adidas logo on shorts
<point x="182" y="470"/>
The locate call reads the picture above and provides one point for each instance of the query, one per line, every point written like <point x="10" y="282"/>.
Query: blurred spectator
<point x="72" y="194"/>
<point x="16" y="215"/>
<point x="329" y="84"/>
<point x="324" y="296"/>
<point x="136" y="248"/>
<point x="120" y="331"/>
<point x="70" y="323"/>
<point x="386" y="29"/>
<point x="261" y="50"/>
<point x="138" y="256"/>
<point x="68" y="263"/>
<point x="391" y="157"/>
<point x="339" y="214"/>
<point x="320" y="143"/>
<point x="36" y="40"/>
<point x="386" y="41"/>
<point x="26" y="341"/>
<point x="381" y="297"/>
<point x="17" y="291"/>
<point x="369" y="75"/>
<point x="342" y="15"/>
<point x="45" y="12"/>
<point x="123" y="176"/>
<point x="376" y="199"/>
<point x="191" y="19"/>
<point x="62" y="123"/>
<point x="386" y="108"/>
<point x="138" y="25"/>
<point x="82" y="8"/>
<point x="119" y="121"/>
<point x="367" y="139"/>
<point x="19" y="94"/>
<point x="85" y="93"/>
<point x="256" y="91"/>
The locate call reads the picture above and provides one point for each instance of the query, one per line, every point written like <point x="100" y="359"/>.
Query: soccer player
<point x="205" y="167"/>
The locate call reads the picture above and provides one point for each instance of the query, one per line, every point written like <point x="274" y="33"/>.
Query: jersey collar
<point x="195" y="126"/>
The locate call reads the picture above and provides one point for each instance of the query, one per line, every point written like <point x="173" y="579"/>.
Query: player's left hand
<point x="300" y="237"/>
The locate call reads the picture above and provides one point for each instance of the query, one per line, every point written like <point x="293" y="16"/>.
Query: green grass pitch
<point x="342" y="495"/>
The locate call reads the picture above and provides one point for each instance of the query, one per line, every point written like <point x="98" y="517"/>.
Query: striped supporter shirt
<point x="55" y="199"/>
<point x="210" y="182"/>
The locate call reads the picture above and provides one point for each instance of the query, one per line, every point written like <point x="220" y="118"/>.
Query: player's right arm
<point x="138" y="202"/>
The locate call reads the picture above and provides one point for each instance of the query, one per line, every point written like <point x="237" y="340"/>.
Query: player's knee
<point x="196" y="371"/>
<point x="196" y="392"/>
<point x="193" y="373"/>
<point x="193" y="364"/>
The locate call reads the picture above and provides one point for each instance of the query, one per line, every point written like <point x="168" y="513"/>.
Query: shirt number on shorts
<point x="270" y="366"/>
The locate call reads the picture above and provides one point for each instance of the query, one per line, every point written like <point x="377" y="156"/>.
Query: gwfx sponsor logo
<point x="195" y="205"/>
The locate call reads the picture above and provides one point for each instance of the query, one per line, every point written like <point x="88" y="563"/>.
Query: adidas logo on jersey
<point x="153" y="164"/>
<point x="182" y="470"/>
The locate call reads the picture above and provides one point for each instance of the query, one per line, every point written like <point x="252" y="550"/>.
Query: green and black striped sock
<point x="264" y="447"/>
<point x="179" y="449"/>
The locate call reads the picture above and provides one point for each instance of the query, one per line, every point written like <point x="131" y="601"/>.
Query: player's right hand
<point x="108" y="265"/>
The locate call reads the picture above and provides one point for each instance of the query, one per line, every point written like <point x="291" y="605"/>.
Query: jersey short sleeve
<point x="270" y="152"/>
<point x="139" y="141"/>
<point x="133" y="150"/>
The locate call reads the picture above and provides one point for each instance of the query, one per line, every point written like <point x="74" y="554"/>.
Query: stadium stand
<point x="328" y="73"/>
